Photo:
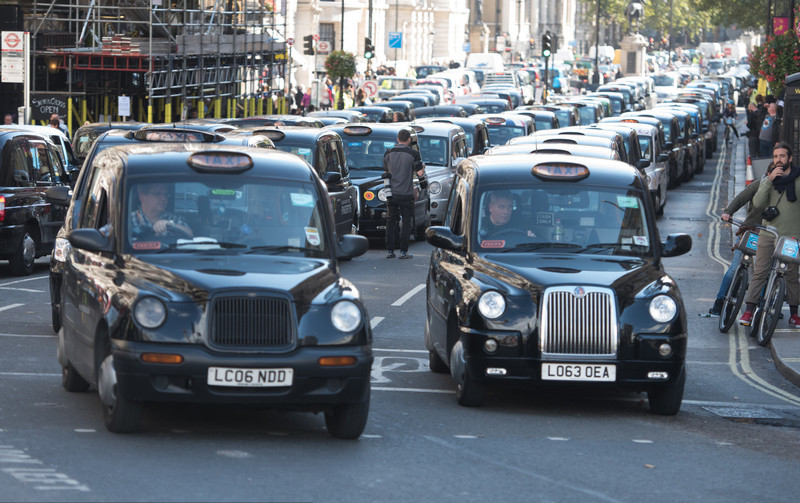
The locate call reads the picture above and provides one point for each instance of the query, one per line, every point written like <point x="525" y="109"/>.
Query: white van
<point x="491" y="61"/>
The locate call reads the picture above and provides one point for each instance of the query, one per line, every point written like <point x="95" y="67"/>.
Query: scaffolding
<point x="183" y="53"/>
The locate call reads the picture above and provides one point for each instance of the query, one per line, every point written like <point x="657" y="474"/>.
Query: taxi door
<point x="342" y="193"/>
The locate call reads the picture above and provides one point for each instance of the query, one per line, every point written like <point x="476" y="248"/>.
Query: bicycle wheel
<point x="733" y="300"/>
<point x="772" y="311"/>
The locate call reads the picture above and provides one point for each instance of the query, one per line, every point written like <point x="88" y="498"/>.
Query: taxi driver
<point x="501" y="209"/>
<point x="151" y="214"/>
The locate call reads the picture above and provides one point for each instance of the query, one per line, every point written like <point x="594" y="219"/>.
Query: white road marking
<point x="29" y="290"/>
<point x="27" y="374"/>
<point x="402" y="300"/>
<point x="10" y="306"/>
<point x="465" y="436"/>
<point x="374" y="321"/>
<point x="421" y="351"/>
<point x="371" y="436"/>
<point x="85" y="430"/>
<point x="33" y="278"/>
<point x="28" y="335"/>
<point x="558" y="439"/>
<point x="641" y="441"/>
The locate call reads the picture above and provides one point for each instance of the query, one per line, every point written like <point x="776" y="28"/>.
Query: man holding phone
<point x="777" y="192"/>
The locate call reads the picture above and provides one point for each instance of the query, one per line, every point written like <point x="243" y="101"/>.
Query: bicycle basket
<point x="787" y="250"/>
<point x="748" y="244"/>
<point x="729" y="121"/>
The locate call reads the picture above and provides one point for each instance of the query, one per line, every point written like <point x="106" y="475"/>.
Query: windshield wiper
<point x="537" y="246"/>
<point x="279" y="249"/>
<point x="201" y="246"/>
<point x="618" y="247"/>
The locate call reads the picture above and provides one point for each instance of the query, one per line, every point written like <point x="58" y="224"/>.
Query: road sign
<point x="323" y="47"/>
<point x="395" y="40"/>
<point x="316" y="37"/>
<point x="13" y="52"/>
<point x="369" y="88"/>
<point x="289" y="41"/>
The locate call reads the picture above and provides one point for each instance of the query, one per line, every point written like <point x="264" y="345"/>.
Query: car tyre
<point x="436" y="364"/>
<point x="21" y="262"/>
<point x="55" y="318"/>
<point x="665" y="399"/>
<point x="347" y="421"/>
<point x="120" y="414"/>
<point x="72" y="381"/>
<point x="469" y="392"/>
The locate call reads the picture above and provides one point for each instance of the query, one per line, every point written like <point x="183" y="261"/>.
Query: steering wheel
<point x="177" y="231"/>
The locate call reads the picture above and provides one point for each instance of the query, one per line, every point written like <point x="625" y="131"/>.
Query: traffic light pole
<point x="368" y="73"/>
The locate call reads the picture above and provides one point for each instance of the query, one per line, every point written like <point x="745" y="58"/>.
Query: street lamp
<point x="341" y="48"/>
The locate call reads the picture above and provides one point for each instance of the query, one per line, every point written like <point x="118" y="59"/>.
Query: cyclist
<point x="777" y="191"/>
<point x="730" y="121"/>
<point x="753" y="218"/>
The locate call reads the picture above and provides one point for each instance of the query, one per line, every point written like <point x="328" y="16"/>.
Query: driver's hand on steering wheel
<point x="531" y="234"/>
<point x="164" y="226"/>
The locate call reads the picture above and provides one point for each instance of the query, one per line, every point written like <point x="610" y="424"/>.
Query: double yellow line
<point x="738" y="355"/>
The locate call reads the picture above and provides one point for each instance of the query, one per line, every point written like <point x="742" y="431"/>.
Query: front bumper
<point x="313" y="386"/>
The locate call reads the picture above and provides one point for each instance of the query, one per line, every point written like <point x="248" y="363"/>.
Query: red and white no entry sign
<point x="370" y="88"/>
<point x="290" y="41"/>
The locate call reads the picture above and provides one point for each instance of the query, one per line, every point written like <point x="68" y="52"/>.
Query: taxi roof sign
<point x="220" y="161"/>
<point x="357" y="130"/>
<point x="272" y="134"/>
<point x="495" y="120"/>
<point x="560" y="171"/>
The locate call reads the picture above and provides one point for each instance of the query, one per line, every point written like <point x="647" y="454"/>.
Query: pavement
<point x="785" y="343"/>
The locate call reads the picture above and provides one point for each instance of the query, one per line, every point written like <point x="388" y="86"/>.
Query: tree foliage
<point x="775" y="59"/>
<point x="340" y="64"/>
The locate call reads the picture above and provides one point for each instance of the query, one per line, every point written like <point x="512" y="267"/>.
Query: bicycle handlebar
<point x="769" y="228"/>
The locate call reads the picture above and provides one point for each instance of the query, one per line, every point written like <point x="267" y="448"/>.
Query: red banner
<point x="780" y="25"/>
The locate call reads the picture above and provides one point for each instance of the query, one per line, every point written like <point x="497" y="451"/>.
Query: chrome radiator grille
<point x="578" y="321"/>
<point x="247" y="321"/>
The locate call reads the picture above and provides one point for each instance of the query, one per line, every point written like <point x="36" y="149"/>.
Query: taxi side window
<point x="42" y="162"/>
<point x="19" y="162"/>
<point x="338" y="153"/>
<point x="87" y="207"/>
<point x="455" y="211"/>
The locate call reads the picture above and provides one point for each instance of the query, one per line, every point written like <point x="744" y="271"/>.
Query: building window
<point x="328" y="34"/>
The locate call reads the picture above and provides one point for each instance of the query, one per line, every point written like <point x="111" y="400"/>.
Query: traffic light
<point x="532" y="43"/>
<point x="308" y="45"/>
<point x="547" y="42"/>
<point x="369" y="49"/>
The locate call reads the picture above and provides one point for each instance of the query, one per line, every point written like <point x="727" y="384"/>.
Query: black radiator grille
<point x="251" y="322"/>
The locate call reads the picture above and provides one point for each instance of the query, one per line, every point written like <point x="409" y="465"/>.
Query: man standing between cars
<point x="401" y="162"/>
<point x="778" y="189"/>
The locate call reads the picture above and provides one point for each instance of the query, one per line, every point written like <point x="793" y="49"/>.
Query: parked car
<point x="376" y="113"/>
<point x="238" y="301"/>
<point x="477" y="134"/>
<point x="29" y="165"/>
<point x="84" y="137"/>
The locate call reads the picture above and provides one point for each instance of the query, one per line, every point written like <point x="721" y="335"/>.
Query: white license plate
<point x="255" y="378"/>
<point x="578" y="372"/>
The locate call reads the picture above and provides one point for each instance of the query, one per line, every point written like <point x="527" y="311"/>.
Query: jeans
<point x="764" y="149"/>
<point x="399" y="207"/>
<point x="726" y="280"/>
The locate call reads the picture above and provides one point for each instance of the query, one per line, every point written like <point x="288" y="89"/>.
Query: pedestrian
<point x="8" y="119"/>
<point x="770" y="129"/>
<point x="298" y="99"/>
<point x="61" y="126"/>
<point x="778" y="190"/>
<point x="305" y="103"/>
<point x="327" y="95"/>
<point x="753" y="129"/>
<point x="401" y="162"/>
<point x="752" y="219"/>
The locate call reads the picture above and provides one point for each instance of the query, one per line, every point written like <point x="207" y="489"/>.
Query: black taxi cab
<point x="208" y="274"/>
<point x="548" y="269"/>
<point x="84" y="137"/>
<point x="30" y="164"/>
<point x="365" y="144"/>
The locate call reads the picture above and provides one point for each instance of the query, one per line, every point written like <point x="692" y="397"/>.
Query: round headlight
<point x="346" y="316"/>
<point x="491" y="305"/>
<point x="382" y="195"/>
<point x="435" y="188"/>
<point x="150" y="312"/>
<point x="61" y="250"/>
<point x="663" y="308"/>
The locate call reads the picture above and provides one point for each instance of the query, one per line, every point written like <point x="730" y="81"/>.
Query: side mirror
<point x="642" y="163"/>
<point x="443" y="237"/>
<point x="663" y="157"/>
<point x="676" y="244"/>
<point x="351" y="245"/>
<point x="90" y="240"/>
<point x="59" y="195"/>
<point x="332" y="177"/>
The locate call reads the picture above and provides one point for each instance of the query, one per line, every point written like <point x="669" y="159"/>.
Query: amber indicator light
<point x="337" y="361"/>
<point x="161" y="358"/>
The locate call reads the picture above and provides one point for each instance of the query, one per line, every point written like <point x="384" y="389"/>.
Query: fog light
<point x="434" y="205"/>
<point x="665" y="350"/>
<point x="495" y="371"/>
<point x="663" y="376"/>
<point x="490" y="346"/>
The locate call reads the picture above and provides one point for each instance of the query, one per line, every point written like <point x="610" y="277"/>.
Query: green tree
<point x="340" y="64"/>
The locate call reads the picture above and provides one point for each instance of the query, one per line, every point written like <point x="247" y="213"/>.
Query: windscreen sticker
<point x="587" y="222"/>
<point x="641" y="240"/>
<point x="303" y="200"/>
<point x="354" y="144"/>
<point x="312" y="236"/>
<point x="627" y="202"/>
<point x="493" y="243"/>
<point x="544" y="218"/>
<point x="789" y="248"/>
<point x="304" y="151"/>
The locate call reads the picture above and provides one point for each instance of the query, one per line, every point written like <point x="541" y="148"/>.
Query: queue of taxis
<point x="211" y="313"/>
<point x="504" y="294"/>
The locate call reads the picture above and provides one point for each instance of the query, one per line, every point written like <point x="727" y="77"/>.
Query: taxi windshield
<point x="299" y="150"/>
<point x="212" y="213"/>
<point x="499" y="135"/>
<point x="433" y="151"/>
<point x="367" y="152"/>
<point x="562" y="218"/>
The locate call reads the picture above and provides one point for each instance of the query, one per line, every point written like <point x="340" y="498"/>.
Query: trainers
<point x="390" y="254"/>
<point x="405" y="255"/>
<point x="717" y="308"/>
<point x="746" y="318"/>
<point x="794" y="321"/>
